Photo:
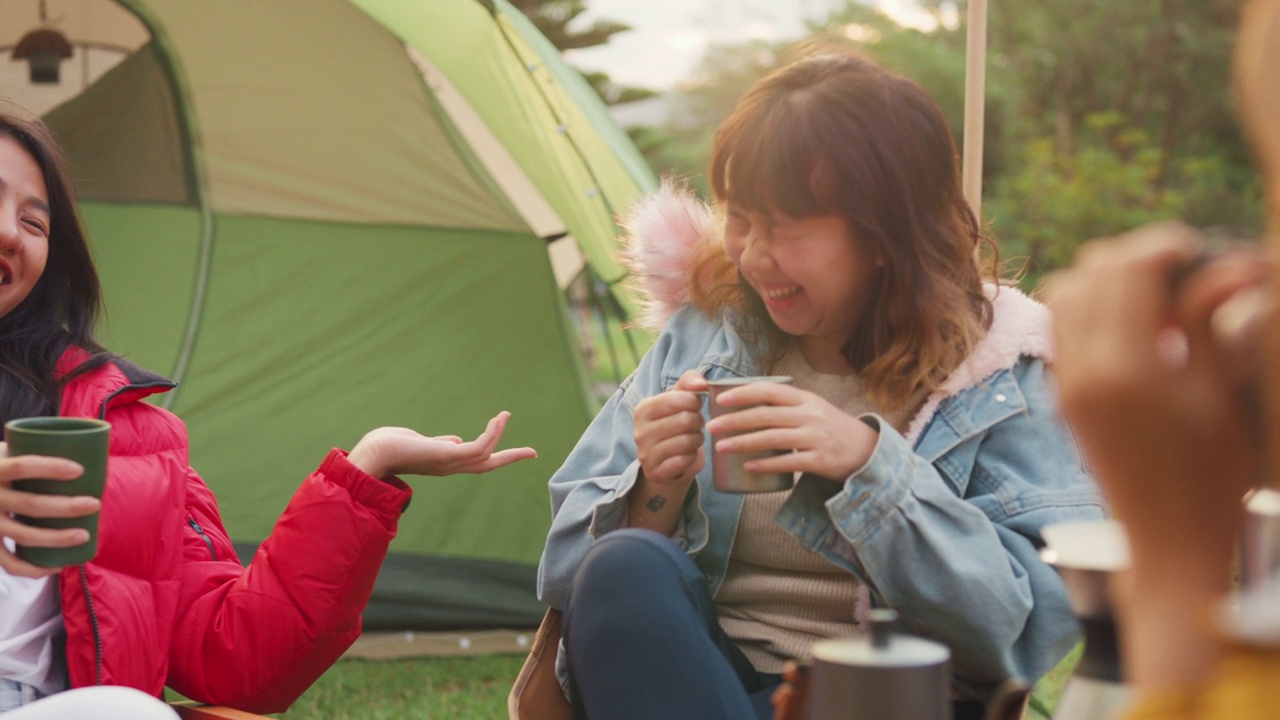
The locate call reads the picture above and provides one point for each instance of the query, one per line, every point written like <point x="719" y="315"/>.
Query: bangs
<point x="772" y="159"/>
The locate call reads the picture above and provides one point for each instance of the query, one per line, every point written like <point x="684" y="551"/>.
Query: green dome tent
<point x="321" y="216"/>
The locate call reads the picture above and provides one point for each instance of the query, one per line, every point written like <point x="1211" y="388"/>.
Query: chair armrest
<point x="188" y="710"/>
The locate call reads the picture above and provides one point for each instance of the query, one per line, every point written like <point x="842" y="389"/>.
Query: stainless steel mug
<point x="1087" y="556"/>
<point x="1260" y="540"/>
<point x="727" y="468"/>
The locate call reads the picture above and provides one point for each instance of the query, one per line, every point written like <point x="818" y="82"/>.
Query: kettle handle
<point x="791" y="699"/>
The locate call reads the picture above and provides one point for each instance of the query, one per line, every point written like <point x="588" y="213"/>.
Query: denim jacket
<point x="942" y="523"/>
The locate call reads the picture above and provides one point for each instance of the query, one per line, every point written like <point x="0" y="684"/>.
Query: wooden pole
<point x="975" y="90"/>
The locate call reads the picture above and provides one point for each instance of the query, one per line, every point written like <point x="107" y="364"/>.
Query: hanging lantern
<point x="44" y="49"/>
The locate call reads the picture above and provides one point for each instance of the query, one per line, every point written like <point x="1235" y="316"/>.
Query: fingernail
<point x="724" y="446"/>
<point x="82" y="536"/>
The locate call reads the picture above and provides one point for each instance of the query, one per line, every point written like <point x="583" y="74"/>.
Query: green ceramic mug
<point x="83" y="440"/>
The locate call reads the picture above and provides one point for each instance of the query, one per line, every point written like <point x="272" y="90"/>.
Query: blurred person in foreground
<point x="165" y="601"/>
<point x="1171" y="378"/>
<point x="1164" y="417"/>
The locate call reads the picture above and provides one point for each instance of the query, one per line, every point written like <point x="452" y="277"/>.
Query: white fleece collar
<point x="1020" y="327"/>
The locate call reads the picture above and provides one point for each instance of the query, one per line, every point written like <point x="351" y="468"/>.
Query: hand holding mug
<point x="13" y="501"/>
<point x="777" y="417"/>
<point x="668" y="432"/>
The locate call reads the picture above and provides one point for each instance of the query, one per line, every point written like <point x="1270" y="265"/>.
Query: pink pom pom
<point x="662" y="232"/>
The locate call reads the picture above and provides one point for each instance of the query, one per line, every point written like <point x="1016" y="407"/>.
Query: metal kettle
<point x="886" y="676"/>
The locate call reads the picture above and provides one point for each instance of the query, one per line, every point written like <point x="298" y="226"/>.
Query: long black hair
<point x="63" y="306"/>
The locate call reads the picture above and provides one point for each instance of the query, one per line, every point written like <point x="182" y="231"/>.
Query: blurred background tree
<point x="1100" y="115"/>
<point x="563" y="23"/>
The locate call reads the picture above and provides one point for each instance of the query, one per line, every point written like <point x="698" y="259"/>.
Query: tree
<point x="1099" y="115"/>
<point x="554" y="18"/>
<point x="561" y="22"/>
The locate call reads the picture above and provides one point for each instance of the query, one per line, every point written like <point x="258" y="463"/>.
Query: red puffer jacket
<point x="166" y="601"/>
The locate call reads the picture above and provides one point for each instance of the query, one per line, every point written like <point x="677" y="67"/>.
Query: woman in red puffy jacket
<point x="166" y="601"/>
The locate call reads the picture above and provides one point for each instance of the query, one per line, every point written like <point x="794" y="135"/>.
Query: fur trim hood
<point x="664" y="229"/>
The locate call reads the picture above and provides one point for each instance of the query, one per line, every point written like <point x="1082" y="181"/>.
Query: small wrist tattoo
<point x="655" y="503"/>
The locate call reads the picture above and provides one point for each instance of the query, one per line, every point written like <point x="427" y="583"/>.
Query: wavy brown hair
<point x="834" y="134"/>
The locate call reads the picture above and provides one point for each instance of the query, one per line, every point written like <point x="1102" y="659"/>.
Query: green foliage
<point x="611" y="92"/>
<point x="1100" y="116"/>
<point x="1114" y="179"/>
<point x="1055" y="200"/>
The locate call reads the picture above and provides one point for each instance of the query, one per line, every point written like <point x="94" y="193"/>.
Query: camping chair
<point x="191" y="710"/>
<point x="536" y="694"/>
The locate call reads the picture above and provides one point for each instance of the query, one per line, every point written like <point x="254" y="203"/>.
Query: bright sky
<point x="668" y="37"/>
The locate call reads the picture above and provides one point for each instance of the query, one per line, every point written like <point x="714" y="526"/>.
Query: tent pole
<point x="975" y="81"/>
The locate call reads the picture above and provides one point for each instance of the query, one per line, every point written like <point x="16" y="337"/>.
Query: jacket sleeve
<point x="953" y="544"/>
<point x="255" y="638"/>
<point x="589" y="491"/>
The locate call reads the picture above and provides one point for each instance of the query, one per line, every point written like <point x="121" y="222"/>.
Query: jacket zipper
<point x="200" y="531"/>
<point x="84" y="576"/>
<point x="93" y="622"/>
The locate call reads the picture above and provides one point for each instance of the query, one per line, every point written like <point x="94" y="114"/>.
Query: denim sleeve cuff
<point x="612" y="514"/>
<point x="690" y="533"/>
<point x="691" y="529"/>
<point x="874" y="491"/>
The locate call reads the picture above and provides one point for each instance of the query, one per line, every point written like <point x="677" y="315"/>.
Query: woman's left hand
<point x="388" y="451"/>
<point x="827" y="442"/>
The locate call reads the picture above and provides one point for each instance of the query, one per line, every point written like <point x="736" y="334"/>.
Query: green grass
<point x="475" y="688"/>
<point x="457" y="688"/>
<point x="1044" y="699"/>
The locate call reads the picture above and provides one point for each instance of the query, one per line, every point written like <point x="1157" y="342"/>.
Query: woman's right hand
<point x="668" y="432"/>
<point x="14" y="501"/>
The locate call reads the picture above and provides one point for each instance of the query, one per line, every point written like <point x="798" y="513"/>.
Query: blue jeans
<point x="642" y="639"/>
<point x="15" y="694"/>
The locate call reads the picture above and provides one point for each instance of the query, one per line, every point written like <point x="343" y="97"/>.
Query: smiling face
<point x="813" y="276"/>
<point x="24" y="224"/>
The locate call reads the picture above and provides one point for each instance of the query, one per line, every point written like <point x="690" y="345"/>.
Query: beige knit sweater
<point x="778" y="597"/>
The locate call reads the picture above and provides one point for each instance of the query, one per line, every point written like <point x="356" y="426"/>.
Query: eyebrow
<point x="39" y="204"/>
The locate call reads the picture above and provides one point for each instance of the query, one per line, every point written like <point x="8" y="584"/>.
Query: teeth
<point x="784" y="293"/>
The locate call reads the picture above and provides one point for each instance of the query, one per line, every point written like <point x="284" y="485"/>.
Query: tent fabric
<point x="508" y="83"/>
<point x="131" y="148"/>
<point x="331" y="123"/>
<point x="290" y="220"/>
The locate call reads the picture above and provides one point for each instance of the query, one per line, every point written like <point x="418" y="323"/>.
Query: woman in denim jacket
<point x="927" y="445"/>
